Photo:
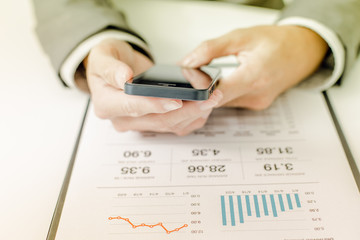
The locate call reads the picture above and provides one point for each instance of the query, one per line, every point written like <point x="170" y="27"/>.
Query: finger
<point x="151" y="123"/>
<point x="208" y="50"/>
<point x="205" y="52"/>
<point x="110" y="102"/>
<point x="188" y="125"/>
<point x="256" y="100"/>
<point x="116" y="62"/>
<point x="172" y="121"/>
<point x="197" y="78"/>
<point x="115" y="105"/>
<point x="234" y="85"/>
<point x="194" y="125"/>
<point x="191" y="125"/>
<point x="249" y="76"/>
<point x="253" y="101"/>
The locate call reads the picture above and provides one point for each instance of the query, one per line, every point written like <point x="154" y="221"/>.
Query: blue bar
<point x="223" y="210"/>
<point x="282" y="207"/>
<point x="266" y="211"/>
<point x="298" y="204"/>
<point x="256" y="206"/>
<point x="232" y="214"/>
<point x="241" y="214"/>
<point x="273" y="206"/>
<point x="248" y="209"/>
<point x="289" y="201"/>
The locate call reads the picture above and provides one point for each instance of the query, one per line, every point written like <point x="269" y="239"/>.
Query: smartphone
<point x="170" y="81"/>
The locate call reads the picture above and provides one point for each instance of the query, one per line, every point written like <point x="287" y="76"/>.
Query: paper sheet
<point x="274" y="174"/>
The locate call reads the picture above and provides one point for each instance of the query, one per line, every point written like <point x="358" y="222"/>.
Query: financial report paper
<point x="277" y="174"/>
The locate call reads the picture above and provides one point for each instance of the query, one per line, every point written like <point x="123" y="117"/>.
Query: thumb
<point x="234" y="85"/>
<point x="111" y="70"/>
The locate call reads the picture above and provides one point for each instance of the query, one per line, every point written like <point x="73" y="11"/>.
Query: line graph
<point x="160" y="224"/>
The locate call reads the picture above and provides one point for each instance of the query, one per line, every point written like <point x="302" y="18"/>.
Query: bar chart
<point x="236" y="209"/>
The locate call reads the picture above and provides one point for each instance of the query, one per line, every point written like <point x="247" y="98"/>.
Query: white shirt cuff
<point x="71" y="63"/>
<point x="323" y="78"/>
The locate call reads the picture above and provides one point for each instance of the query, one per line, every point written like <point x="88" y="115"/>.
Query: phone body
<point x="171" y="81"/>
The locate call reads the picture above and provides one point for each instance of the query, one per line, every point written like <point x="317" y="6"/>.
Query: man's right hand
<point x="113" y="62"/>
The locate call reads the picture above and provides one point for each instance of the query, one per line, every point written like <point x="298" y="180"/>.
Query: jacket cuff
<point x="334" y="64"/>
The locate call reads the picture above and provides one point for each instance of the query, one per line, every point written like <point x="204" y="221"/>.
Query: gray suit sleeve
<point x="63" y="24"/>
<point x="341" y="16"/>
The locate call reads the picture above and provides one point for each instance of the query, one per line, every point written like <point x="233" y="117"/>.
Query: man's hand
<point x="272" y="59"/>
<point x="112" y="63"/>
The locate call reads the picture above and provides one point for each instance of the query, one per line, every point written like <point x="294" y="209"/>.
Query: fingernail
<point x="173" y="105"/>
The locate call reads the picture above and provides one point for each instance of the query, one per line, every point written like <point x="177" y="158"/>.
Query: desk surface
<point x="39" y="124"/>
<point x="346" y="103"/>
<point x="40" y="119"/>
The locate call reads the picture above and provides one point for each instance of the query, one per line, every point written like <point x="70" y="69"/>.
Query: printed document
<point x="277" y="174"/>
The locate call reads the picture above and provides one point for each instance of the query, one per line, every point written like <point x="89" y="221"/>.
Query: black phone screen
<point x="175" y="76"/>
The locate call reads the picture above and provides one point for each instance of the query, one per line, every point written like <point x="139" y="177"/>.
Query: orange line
<point x="146" y="225"/>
